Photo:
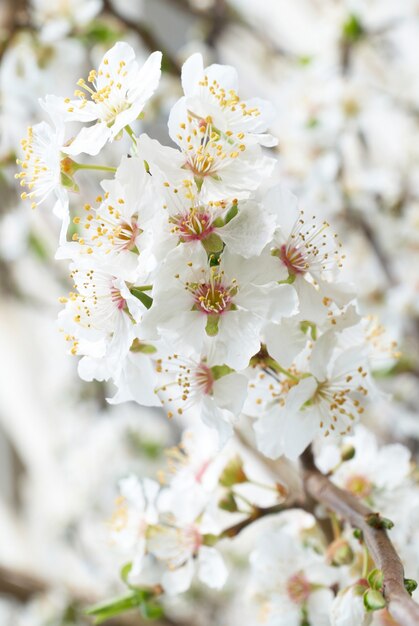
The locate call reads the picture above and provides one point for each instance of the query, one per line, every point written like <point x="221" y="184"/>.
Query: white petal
<point x="250" y="231"/>
<point x="90" y="140"/>
<point x="178" y="580"/>
<point x="211" y="568"/>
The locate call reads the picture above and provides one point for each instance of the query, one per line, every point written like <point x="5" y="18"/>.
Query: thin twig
<point x="400" y="605"/>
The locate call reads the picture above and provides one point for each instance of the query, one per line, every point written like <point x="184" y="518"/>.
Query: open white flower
<point x="57" y="18"/>
<point x="222" y="308"/>
<point x="98" y="321"/>
<point x="348" y="608"/>
<point x="219" y="134"/>
<point x="309" y="255"/>
<point x="243" y="225"/>
<point x="201" y="387"/>
<point x="327" y="399"/>
<point x="118" y="235"/>
<point x="291" y="581"/>
<point x="136" y="510"/>
<point x="376" y="475"/>
<point x="112" y="97"/>
<point x="43" y="167"/>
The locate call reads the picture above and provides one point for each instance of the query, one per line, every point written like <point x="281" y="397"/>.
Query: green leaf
<point x="125" y="570"/>
<point x="410" y="585"/>
<point x="105" y="610"/>
<point x="352" y="29"/>
<point x="143" y="297"/>
<point x="151" y="610"/>
<point x="376" y="579"/>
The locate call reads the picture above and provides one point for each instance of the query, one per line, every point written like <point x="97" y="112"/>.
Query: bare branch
<point x="400" y="604"/>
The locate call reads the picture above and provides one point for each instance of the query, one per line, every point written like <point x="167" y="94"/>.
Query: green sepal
<point x="213" y="243"/>
<point x="69" y="183"/>
<point x="211" y="327"/>
<point x="375" y="579"/>
<point x="144" y="348"/>
<point x="232" y="212"/>
<point x="233" y="473"/>
<point x="142" y="297"/>
<point x="218" y="371"/>
<point x="228" y="503"/>
<point x="374" y="600"/>
<point x="111" y="608"/>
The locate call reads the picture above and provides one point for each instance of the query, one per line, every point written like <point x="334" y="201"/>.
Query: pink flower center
<point x="204" y="378"/>
<point x="194" y="225"/>
<point x="298" y="588"/>
<point x="118" y="299"/>
<point x="212" y="298"/>
<point x="293" y="259"/>
<point x="359" y="486"/>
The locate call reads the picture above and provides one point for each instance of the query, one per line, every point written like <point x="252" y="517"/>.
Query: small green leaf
<point x="374" y="600"/>
<point x="410" y="585"/>
<point x="125" y="570"/>
<point x="376" y="521"/>
<point x="352" y="29"/>
<point x="151" y="610"/>
<point x="105" y="610"/>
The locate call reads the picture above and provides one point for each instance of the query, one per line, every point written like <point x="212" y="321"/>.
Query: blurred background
<point x="344" y="77"/>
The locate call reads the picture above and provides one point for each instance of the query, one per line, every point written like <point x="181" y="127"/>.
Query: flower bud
<point x="228" y="503"/>
<point x="233" y="473"/>
<point x="374" y="600"/>
<point x="340" y="553"/>
<point x="348" y="608"/>
<point x="347" y="453"/>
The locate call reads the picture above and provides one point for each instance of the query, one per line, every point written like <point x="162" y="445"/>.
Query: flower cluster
<point x="202" y="288"/>
<point x="199" y="284"/>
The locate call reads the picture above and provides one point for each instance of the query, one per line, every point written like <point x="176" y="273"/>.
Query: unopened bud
<point x="233" y="473"/>
<point x="376" y="521"/>
<point x="376" y="579"/>
<point x="340" y="553"/>
<point x="228" y="503"/>
<point x="410" y="585"/>
<point x="347" y="453"/>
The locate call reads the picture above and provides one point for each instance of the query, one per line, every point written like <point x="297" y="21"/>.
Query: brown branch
<point x="147" y="36"/>
<point x="400" y="604"/>
<point x="257" y="514"/>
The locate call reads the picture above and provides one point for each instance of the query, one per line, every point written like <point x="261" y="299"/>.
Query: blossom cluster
<point x="200" y="286"/>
